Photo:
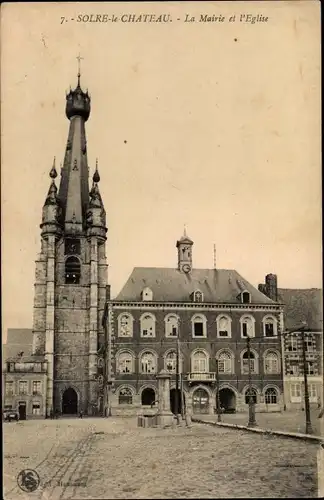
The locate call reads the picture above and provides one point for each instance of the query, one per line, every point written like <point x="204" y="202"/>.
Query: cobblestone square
<point x="112" y="459"/>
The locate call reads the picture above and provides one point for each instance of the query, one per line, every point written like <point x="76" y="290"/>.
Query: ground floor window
<point x="271" y="396"/>
<point x="148" y="396"/>
<point x="312" y="393"/>
<point x="253" y="394"/>
<point x="36" y="409"/>
<point x="295" y="393"/>
<point x="125" y="396"/>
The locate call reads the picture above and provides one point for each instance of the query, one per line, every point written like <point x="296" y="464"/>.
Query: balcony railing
<point x="201" y="376"/>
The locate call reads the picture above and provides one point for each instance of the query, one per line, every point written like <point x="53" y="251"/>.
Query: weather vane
<point x="79" y="58"/>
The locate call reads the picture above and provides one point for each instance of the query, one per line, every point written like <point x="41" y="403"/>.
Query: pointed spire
<point x="184" y="231"/>
<point x="53" y="173"/>
<point x="79" y="58"/>
<point x="96" y="176"/>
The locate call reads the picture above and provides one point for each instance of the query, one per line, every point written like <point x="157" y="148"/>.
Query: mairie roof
<point x="302" y="305"/>
<point x="172" y="285"/>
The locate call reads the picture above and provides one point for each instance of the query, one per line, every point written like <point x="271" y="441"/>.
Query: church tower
<point x="71" y="275"/>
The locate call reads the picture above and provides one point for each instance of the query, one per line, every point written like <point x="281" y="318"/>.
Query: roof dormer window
<point x="198" y="296"/>
<point x="147" y="294"/>
<point x="245" y="297"/>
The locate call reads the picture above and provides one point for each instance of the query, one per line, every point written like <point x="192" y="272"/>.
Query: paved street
<point x="112" y="458"/>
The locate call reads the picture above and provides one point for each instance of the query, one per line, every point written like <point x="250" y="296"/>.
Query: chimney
<point x="271" y="285"/>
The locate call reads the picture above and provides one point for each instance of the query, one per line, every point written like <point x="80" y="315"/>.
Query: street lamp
<point x="252" y="421"/>
<point x="219" y="417"/>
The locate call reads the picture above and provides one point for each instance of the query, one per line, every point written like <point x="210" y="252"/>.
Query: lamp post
<point x="219" y="417"/>
<point x="309" y="429"/>
<point x="252" y="421"/>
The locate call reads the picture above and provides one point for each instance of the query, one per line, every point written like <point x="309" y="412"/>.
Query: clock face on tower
<point x="186" y="268"/>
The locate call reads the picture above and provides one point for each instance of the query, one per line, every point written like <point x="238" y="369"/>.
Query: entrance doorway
<point x="227" y="400"/>
<point x="176" y="408"/>
<point x="22" y="410"/>
<point x="200" y="401"/>
<point x="69" y="402"/>
<point x="148" y="396"/>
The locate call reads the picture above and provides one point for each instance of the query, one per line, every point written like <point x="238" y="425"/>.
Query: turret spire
<point x="96" y="176"/>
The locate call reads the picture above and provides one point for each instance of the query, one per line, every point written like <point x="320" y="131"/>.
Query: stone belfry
<point x="71" y="275"/>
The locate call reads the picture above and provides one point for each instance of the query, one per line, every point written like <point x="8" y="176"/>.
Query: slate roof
<point x="171" y="285"/>
<point x="302" y="305"/>
<point x="18" y="340"/>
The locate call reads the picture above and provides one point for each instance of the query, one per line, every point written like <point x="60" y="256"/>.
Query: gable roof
<point x="302" y="305"/>
<point x="171" y="285"/>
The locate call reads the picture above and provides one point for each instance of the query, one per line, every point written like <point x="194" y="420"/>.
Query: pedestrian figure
<point x="81" y="414"/>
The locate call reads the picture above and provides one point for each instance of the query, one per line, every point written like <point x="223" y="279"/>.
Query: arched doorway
<point x="176" y="408"/>
<point x="227" y="400"/>
<point x="148" y="396"/>
<point x="69" y="402"/>
<point x="200" y="401"/>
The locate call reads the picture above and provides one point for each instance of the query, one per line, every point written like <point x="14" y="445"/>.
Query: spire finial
<point x="53" y="173"/>
<point x="96" y="176"/>
<point x="215" y="256"/>
<point x="184" y="230"/>
<point x="79" y="58"/>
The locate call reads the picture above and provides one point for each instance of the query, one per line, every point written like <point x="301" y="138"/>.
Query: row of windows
<point x="296" y="392"/>
<point x="296" y="369"/>
<point x="36" y="408"/>
<point x="197" y="296"/>
<point x="148" y="362"/>
<point x="23" y="387"/>
<point x="148" y="396"/>
<point x="198" y="325"/>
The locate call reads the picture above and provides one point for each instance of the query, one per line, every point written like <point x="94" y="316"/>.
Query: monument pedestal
<point x="164" y="416"/>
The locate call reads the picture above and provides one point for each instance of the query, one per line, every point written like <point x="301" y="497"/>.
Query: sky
<point x="215" y="126"/>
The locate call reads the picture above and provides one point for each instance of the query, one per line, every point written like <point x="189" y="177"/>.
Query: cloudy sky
<point x="212" y="125"/>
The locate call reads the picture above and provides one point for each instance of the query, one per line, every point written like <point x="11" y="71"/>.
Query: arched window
<point x="224" y="324"/>
<point x="100" y="362"/>
<point x="271" y="396"/>
<point x="199" y="360"/>
<point x="225" y="363"/>
<point x="125" y="362"/>
<point x="247" y="326"/>
<point x="199" y="326"/>
<point x="72" y="271"/>
<point x="253" y="394"/>
<point x="148" y="363"/>
<point x="245" y="363"/>
<point x="170" y="362"/>
<point x="125" y="396"/>
<point x="198" y="296"/>
<point x="171" y="325"/>
<point x="148" y="396"/>
<point x="125" y="325"/>
<point x="271" y="362"/>
<point x="269" y="326"/>
<point x="147" y="325"/>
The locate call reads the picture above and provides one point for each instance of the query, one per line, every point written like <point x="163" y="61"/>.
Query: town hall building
<point x="207" y="315"/>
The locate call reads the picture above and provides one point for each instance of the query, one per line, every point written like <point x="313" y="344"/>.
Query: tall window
<point x="223" y="326"/>
<point x="247" y="326"/>
<point x="72" y="271"/>
<point x="269" y="326"/>
<point x="309" y="344"/>
<point x="36" y="409"/>
<point x="148" y="363"/>
<point x="199" y="326"/>
<point x="271" y="396"/>
<point x="245" y="363"/>
<point x="271" y="362"/>
<point x="125" y="362"/>
<point x="295" y="393"/>
<point x="125" y="325"/>
<point x="292" y="344"/>
<point x="253" y="393"/>
<point x="225" y="362"/>
<point x="9" y="388"/>
<point x="36" y="387"/>
<point x="125" y="396"/>
<point x="171" y="362"/>
<point x="171" y="325"/>
<point x="147" y="325"/>
<point x="23" y="387"/>
<point x="311" y="368"/>
<point x="293" y="368"/>
<point x="312" y="393"/>
<point x="199" y="362"/>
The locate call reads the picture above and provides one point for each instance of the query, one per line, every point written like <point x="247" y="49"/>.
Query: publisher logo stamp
<point x="28" y="480"/>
